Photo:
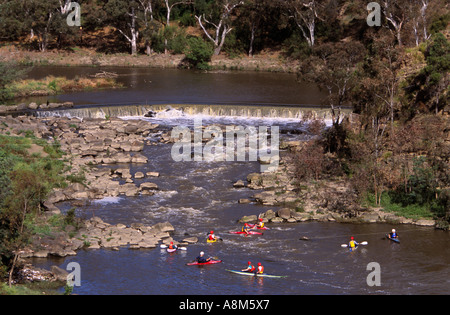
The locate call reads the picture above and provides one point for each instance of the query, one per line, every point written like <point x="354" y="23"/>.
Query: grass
<point x="412" y="211"/>
<point x="55" y="85"/>
<point x="35" y="288"/>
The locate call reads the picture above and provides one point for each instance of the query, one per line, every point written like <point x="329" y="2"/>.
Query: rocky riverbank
<point x="322" y="200"/>
<point x="93" y="148"/>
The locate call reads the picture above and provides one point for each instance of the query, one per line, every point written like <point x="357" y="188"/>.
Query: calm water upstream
<point x="198" y="196"/>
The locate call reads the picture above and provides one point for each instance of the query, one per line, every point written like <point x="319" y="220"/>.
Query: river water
<point x="197" y="197"/>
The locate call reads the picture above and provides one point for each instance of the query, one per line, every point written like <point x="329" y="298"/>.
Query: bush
<point x="198" y="53"/>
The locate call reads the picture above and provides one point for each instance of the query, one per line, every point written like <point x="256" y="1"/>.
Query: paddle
<point x="363" y="243"/>
<point x="180" y="248"/>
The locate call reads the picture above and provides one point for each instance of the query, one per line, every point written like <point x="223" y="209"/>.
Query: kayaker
<point x="260" y="269"/>
<point x="246" y="228"/>
<point x="172" y="246"/>
<point x="201" y="259"/>
<point x="393" y="234"/>
<point x="211" y="236"/>
<point x="353" y="244"/>
<point x="250" y="267"/>
<point x="260" y="224"/>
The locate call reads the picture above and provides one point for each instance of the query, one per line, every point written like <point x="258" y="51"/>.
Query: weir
<point x="242" y="111"/>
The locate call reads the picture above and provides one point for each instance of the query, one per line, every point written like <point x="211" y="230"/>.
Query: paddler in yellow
<point x="352" y="244"/>
<point x="247" y="227"/>
<point x="260" y="224"/>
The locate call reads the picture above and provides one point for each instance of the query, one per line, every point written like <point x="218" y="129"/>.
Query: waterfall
<point x="242" y="111"/>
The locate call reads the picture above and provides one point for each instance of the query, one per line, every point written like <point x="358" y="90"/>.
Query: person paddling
<point x="201" y="259"/>
<point x="352" y="244"/>
<point x="246" y="229"/>
<point x="260" y="269"/>
<point x="250" y="267"/>
<point x="212" y="237"/>
<point x="393" y="234"/>
<point x="260" y="224"/>
<point x="172" y="246"/>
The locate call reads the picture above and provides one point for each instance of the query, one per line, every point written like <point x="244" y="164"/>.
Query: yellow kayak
<point x="211" y="241"/>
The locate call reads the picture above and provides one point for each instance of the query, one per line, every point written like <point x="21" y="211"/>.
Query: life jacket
<point x="252" y="268"/>
<point x="394" y="235"/>
<point x="171" y="246"/>
<point x="211" y="237"/>
<point x="260" y="269"/>
<point x="352" y="244"/>
<point x="261" y="225"/>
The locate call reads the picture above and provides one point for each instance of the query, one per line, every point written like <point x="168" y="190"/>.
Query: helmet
<point x="202" y="253"/>
<point x="393" y="230"/>
<point x="259" y="264"/>
<point x="352" y="238"/>
<point x="171" y="243"/>
<point x="249" y="262"/>
<point x="261" y="219"/>
<point x="212" y="232"/>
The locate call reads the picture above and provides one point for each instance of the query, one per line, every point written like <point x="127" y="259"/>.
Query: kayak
<point x="211" y="241"/>
<point x="244" y="273"/>
<point x="249" y="232"/>
<point x="211" y="262"/>
<point x="171" y="250"/>
<point x="259" y="228"/>
<point x="395" y="240"/>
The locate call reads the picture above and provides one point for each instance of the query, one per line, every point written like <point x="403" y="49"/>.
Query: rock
<point x="139" y="159"/>
<point x="149" y="186"/>
<point x="269" y="214"/>
<point x="284" y="213"/>
<point x="250" y="218"/>
<point x="369" y="218"/>
<point x="164" y="227"/>
<point x="239" y="184"/>
<point x="139" y="175"/>
<point x="152" y="174"/>
<point x="425" y="222"/>
<point x="276" y="220"/>
<point x="244" y="201"/>
<point x="190" y="240"/>
<point x="59" y="273"/>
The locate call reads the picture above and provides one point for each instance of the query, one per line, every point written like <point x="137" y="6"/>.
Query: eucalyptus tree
<point x="218" y="15"/>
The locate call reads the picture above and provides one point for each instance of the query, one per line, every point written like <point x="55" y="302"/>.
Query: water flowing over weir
<point x="242" y="111"/>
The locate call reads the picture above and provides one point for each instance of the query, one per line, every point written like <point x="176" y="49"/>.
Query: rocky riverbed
<point x="101" y="151"/>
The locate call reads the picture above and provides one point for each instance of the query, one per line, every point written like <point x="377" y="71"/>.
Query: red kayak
<point x="249" y="232"/>
<point x="254" y="226"/>
<point x="211" y="262"/>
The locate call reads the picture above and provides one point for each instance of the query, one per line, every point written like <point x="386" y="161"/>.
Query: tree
<point x="305" y="13"/>
<point x="333" y="68"/>
<point x="123" y="15"/>
<point x="430" y="85"/>
<point x="220" y="18"/>
<point x="395" y="13"/>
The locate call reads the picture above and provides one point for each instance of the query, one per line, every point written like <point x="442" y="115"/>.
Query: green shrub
<point x="198" y="53"/>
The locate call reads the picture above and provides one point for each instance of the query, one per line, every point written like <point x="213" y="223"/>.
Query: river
<point x="197" y="197"/>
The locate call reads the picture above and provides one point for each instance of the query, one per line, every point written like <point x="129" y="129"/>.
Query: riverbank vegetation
<point x="54" y="85"/>
<point x="30" y="169"/>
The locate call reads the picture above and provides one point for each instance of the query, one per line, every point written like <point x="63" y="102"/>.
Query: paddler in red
<point x="172" y="246"/>
<point x="211" y="236"/>
<point x="246" y="228"/>
<point x="250" y="267"/>
<point x="260" y="269"/>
